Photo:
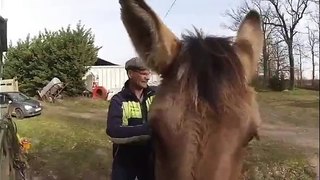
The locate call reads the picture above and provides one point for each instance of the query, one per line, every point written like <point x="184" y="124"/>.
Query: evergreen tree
<point x="65" y="54"/>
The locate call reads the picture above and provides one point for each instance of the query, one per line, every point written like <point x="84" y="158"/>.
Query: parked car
<point x="20" y="105"/>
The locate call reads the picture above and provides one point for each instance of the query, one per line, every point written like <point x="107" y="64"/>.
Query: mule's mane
<point x="209" y="67"/>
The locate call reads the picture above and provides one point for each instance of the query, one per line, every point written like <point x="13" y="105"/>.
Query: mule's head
<point x="205" y="113"/>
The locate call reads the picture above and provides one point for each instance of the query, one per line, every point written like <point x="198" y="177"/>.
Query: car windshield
<point x="17" y="96"/>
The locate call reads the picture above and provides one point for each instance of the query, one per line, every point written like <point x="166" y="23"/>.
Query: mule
<point x="205" y="112"/>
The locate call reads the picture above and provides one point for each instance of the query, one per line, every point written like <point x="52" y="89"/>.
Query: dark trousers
<point x="124" y="170"/>
<point x="131" y="167"/>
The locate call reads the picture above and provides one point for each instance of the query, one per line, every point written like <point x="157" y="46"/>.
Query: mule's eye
<point x="250" y="138"/>
<point x="254" y="136"/>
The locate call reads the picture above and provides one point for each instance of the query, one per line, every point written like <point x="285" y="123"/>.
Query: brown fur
<point x="205" y="113"/>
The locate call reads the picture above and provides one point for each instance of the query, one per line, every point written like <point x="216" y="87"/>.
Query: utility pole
<point x="3" y="42"/>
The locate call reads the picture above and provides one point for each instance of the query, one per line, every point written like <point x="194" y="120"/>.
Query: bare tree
<point x="300" y="49"/>
<point x="287" y="24"/>
<point x="278" y="55"/>
<point x="313" y="37"/>
<point x="313" y="40"/>
<point x="315" y="17"/>
<point x="236" y="15"/>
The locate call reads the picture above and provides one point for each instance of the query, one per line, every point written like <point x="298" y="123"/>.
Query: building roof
<point x="102" y="62"/>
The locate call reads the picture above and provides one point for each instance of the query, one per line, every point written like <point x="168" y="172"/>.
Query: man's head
<point x="138" y="72"/>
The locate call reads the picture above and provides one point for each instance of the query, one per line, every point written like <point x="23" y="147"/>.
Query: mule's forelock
<point x="210" y="68"/>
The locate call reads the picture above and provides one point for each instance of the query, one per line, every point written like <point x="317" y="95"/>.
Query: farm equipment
<point x="93" y="89"/>
<point x="52" y="90"/>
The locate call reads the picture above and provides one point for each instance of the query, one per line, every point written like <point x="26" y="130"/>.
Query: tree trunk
<point x="300" y="68"/>
<point x="313" y="68"/>
<point x="265" y="66"/>
<point x="269" y="69"/>
<point x="291" y="63"/>
<point x="278" y="68"/>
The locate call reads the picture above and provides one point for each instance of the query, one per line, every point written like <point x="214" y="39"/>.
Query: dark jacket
<point x="127" y="123"/>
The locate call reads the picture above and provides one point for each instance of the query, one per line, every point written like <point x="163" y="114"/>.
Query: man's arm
<point x="123" y="134"/>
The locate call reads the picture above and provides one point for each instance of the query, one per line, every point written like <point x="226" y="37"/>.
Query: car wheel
<point x="19" y="114"/>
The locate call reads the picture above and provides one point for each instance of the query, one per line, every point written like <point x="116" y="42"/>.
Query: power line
<point x="170" y="8"/>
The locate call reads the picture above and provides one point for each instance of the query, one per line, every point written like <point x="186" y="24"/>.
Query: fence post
<point x="10" y="152"/>
<point x="4" y="153"/>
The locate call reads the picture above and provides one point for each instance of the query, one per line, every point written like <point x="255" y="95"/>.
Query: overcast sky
<point x="103" y="17"/>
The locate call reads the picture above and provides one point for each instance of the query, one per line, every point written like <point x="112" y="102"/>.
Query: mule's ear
<point x="152" y="40"/>
<point x="249" y="43"/>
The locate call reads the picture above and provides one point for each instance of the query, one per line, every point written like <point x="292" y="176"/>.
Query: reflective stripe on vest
<point x="132" y="109"/>
<point x="149" y="101"/>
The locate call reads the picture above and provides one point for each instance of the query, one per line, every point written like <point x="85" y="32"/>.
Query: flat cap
<point x="135" y="64"/>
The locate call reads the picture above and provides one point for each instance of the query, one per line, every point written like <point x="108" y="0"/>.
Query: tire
<point x="19" y="113"/>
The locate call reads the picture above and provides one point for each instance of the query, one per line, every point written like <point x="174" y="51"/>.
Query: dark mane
<point x="213" y="66"/>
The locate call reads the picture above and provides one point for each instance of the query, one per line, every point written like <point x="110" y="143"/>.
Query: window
<point x="18" y="97"/>
<point x="4" y="99"/>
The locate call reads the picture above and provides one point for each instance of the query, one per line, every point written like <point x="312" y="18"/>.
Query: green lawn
<point x="69" y="140"/>
<point x="274" y="160"/>
<point x="67" y="145"/>
<point x="299" y="107"/>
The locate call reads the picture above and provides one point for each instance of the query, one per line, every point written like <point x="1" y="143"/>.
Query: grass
<point x="69" y="140"/>
<point x="299" y="107"/>
<point x="68" y="146"/>
<point x="82" y="104"/>
<point x="269" y="159"/>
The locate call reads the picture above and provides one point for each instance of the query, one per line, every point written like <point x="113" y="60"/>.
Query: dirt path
<point x="306" y="138"/>
<point x="300" y="136"/>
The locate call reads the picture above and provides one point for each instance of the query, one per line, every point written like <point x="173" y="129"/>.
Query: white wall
<point x="113" y="77"/>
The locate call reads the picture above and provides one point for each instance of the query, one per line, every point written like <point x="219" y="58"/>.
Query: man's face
<point x="140" y="77"/>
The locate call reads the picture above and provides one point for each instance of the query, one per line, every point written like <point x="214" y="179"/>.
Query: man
<point x="127" y="125"/>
